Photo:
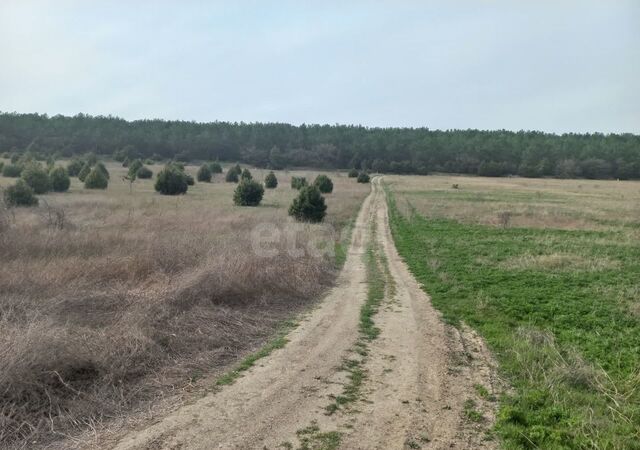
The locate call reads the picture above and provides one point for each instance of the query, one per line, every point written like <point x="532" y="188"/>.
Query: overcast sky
<point x="548" y="65"/>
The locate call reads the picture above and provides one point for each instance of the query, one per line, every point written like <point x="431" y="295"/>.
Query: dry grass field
<point x="111" y="299"/>
<point x="548" y="271"/>
<point x="528" y="202"/>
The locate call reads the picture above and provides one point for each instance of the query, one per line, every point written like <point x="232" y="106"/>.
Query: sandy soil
<point x="420" y="374"/>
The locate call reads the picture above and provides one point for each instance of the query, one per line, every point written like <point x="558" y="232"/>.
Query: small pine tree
<point x="248" y="193"/>
<point x="134" y="167"/>
<point x="353" y="173"/>
<point x="96" y="179"/>
<point x="246" y="175"/>
<point x="12" y="171"/>
<point x="20" y="194"/>
<point x="308" y="206"/>
<point x="84" y="172"/>
<point x="231" y="176"/>
<point x="144" y="173"/>
<point x="324" y="184"/>
<point x="60" y="181"/>
<point x="215" y="167"/>
<point x="363" y="177"/>
<point x="37" y="178"/>
<point x="171" y="181"/>
<point x="101" y="167"/>
<point x="74" y="167"/>
<point x="204" y="174"/>
<point x="270" y="181"/>
<point x="298" y="182"/>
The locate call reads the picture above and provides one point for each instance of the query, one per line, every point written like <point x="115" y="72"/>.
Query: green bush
<point x="248" y="193"/>
<point x="126" y="162"/>
<point x="133" y="168"/>
<point x="189" y="179"/>
<point x="148" y="161"/>
<point x="270" y="181"/>
<point x="96" y="179"/>
<point x="298" y="182"/>
<point x="37" y="178"/>
<point x="171" y="181"/>
<point x="232" y="175"/>
<point x="12" y="171"/>
<point x="363" y="177"/>
<point x="353" y="173"/>
<point x="15" y="158"/>
<point x="324" y="184"/>
<point x="74" y="167"/>
<point x="20" y="194"/>
<point x="204" y="173"/>
<point x="246" y="175"/>
<point x="309" y="206"/>
<point x="60" y="181"/>
<point x="84" y="172"/>
<point x="215" y="167"/>
<point x="100" y="167"/>
<point x="1" y="166"/>
<point x="144" y="173"/>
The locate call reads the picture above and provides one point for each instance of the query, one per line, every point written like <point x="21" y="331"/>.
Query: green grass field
<point x="558" y="304"/>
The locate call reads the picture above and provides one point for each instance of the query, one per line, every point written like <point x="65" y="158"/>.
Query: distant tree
<point x="134" y="166"/>
<point x="529" y="170"/>
<point x="1" y="166"/>
<point x="60" y="181"/>
<point x="246" y="175"/>
<point x="595" y="168"/>
<point x="74" y="167"/>
<point x="324" y="184"/>
<point x="37" y="178"/>
<point x="353" y="173"/>
<point x="12" y="171"/>
<point x="215" y="167"/>
<point x="20" y="194"/>
<point x="309" y="205"/>
<point x="276" y="158"/>
<point x="298" y="182"/>
<point x="248" y="193"/>
<point x="103" y="170"/>
<point x="189" y="179"/>
<point x="86" y="170"/>
<point x="270" y="181"/>
<point x="491" y="169"/>
<point x="568" y="168"/>
<point x="91" y="158"/>
<point x="144" y="173"/>
<point x="379" y="166"/>
<point x="171" y="181"/>
<point x="96" y="179"/>
<point x="231" y="176"/>
<point x="204" y="174"/>
<point x="363" y="177"/>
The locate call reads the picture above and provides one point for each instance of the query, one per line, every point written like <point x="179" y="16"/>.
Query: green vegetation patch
<point x="562" y="327"/>
<point x="279" y="341"/>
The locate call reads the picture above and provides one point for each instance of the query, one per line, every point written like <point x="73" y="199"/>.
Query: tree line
<point x="279" y="145"/>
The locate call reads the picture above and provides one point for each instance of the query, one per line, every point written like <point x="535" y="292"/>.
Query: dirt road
<point x="419" y="385"/>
